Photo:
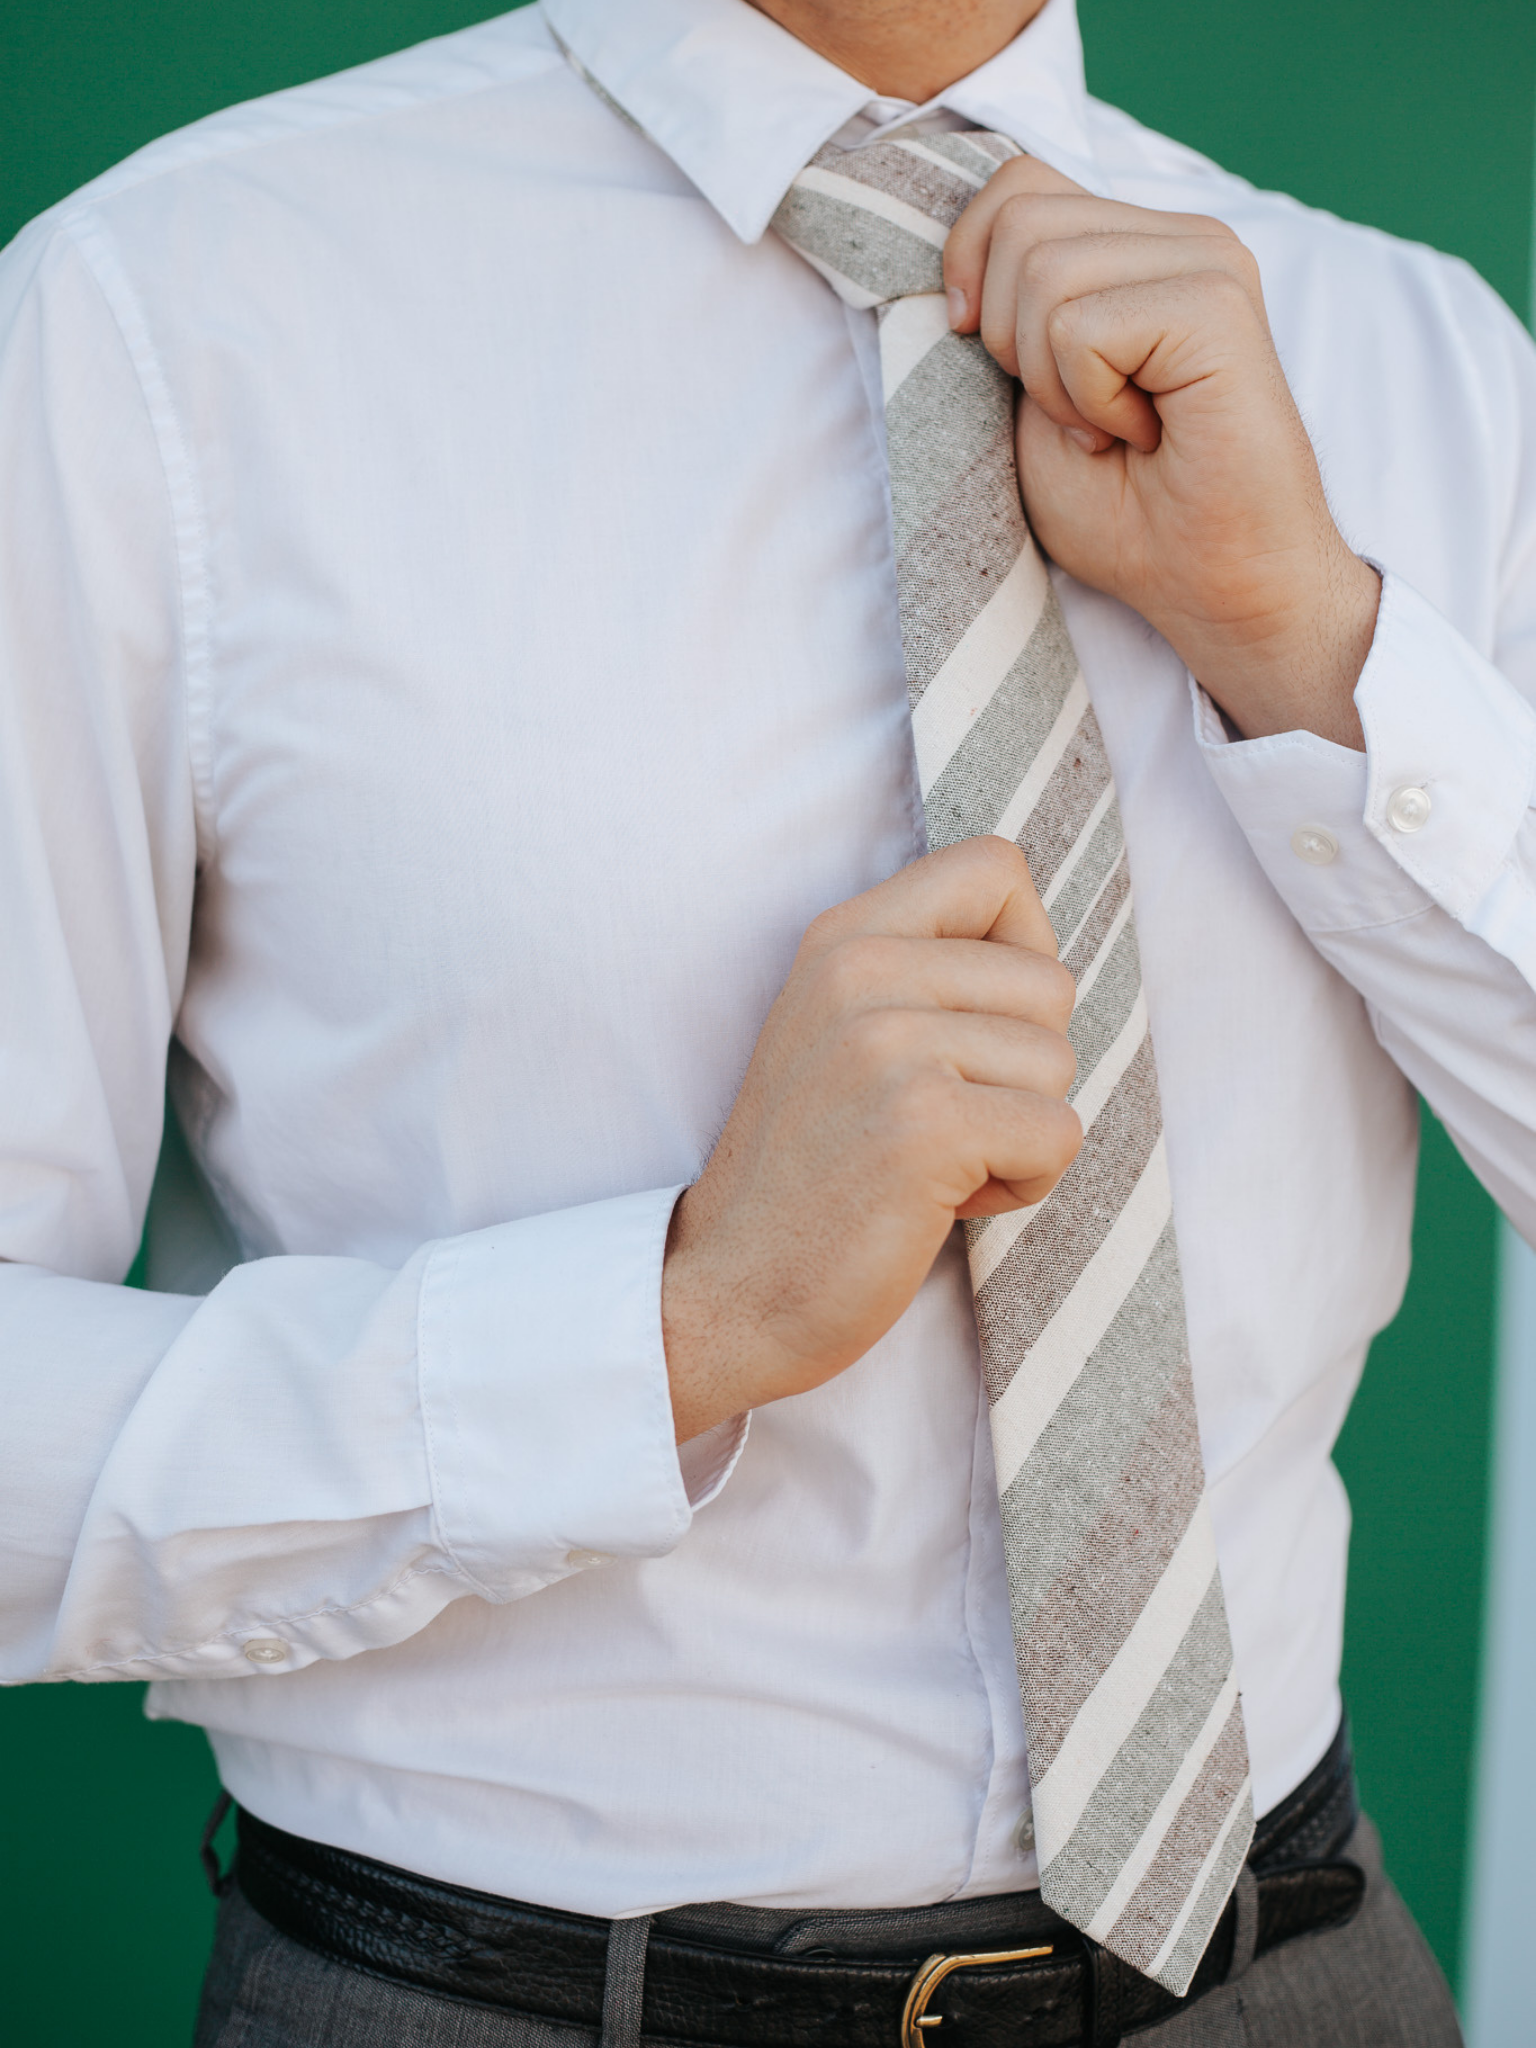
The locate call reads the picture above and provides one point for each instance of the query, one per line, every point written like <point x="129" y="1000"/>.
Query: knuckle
<point x="849" y="968"/>
<point x="1058" y="1138"/>
<point x="922" y="1106"/>
<point x="878" y="1039"/>
<point x="828" y="964"/>
<point x="997" y="335"/>
<point x="1063" y="1061"/>
<point x="1058" y="988"/>
<point x="1230" y="290"/>
<point x="1248" y="272"/>
<point x="927" y="1095"/>
<point x="1013" y="215"/>
<point x="965" y="243"/>
<point x="824" y="931"/>
<point x="1069" y="1135"/>
<point x="998" y="856"/>
<point x="1040" y="266"/>
<point x="863" y="955"/>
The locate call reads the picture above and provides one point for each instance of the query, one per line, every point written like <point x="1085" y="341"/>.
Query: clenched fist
<point x="1161" y="455"/>
<point x="913" y="1070"/>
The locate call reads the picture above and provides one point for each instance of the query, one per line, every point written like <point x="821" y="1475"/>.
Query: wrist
<point x="721" y="1354"/>
<point x="1299" y="674"/>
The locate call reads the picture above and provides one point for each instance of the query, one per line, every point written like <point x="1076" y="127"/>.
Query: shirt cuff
<point x="545" y="1397"/>
<point x="1428" y="814"/>
<point x="707" y="1461"/>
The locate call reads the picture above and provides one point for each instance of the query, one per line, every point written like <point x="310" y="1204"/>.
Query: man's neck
<point x="904" y="49"/>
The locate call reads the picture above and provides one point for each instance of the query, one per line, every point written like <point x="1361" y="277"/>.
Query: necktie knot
<point x="874" y="221"/>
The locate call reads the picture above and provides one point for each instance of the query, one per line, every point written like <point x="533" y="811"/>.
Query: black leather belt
<point x="1002" y="1973"/>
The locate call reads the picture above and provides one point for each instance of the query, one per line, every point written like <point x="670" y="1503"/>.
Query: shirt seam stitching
<point x="189" y="532"/>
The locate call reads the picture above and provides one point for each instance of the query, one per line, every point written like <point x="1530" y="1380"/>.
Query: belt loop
<point x="1103" y="1978"/>
<point x="219" y="1881"/>
<point x="1245" y="1934"/>
<point x="624" y="1983"/>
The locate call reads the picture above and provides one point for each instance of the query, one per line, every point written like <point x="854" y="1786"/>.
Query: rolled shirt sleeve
<point x="583" y="1392"/>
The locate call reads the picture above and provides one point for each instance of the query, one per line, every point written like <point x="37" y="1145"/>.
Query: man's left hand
<point x="1161" y="455"/>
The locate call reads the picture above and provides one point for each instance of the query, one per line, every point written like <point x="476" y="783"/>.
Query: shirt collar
<point x="740" y="105"/>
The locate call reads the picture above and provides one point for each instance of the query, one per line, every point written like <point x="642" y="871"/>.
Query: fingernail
<point x="1084" y="439"/>
<point x="956" y="299"/>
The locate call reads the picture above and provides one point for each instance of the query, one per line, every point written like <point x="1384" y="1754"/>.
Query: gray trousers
<point x="1372" y="1984"/>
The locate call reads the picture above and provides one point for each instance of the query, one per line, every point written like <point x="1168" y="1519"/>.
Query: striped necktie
<point x="1142" y="1808"/>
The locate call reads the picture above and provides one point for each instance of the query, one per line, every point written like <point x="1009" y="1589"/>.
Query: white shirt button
<point x="581" y="1558"/>
<point x="1024" y="1833"/>
<point x="1314" y="844"/>
<point x="266" y="1650"/>
<point x="1407" y="808"/>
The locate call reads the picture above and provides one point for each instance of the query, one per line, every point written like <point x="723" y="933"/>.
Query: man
<point x="465" y="579"/>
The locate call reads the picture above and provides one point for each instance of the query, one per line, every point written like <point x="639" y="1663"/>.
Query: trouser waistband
<point x="724" y="1976"/>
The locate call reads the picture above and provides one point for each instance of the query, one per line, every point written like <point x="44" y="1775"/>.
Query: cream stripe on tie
<point x="1143" y="1812"/>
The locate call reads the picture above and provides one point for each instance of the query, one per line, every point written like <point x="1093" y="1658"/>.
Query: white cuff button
<point x="581" y="1558"/>
<point x="1408" y="808"/>
<point x="1314" y="844"/>
<point x="267" y="1650"/>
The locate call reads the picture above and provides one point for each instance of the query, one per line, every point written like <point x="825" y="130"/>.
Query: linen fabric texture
<point x="1142" y="1803"/>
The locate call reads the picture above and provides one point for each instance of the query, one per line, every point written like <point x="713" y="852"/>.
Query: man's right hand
<point x="913" y="1070"/>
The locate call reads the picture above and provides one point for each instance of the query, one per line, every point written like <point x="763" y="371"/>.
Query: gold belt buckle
<point x="916" y="2016"/>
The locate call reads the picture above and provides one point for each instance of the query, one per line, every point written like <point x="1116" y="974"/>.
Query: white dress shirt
<point x="448" y="652"/>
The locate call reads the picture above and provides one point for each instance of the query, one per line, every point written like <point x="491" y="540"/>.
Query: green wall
<point x="1410" y="114"/>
